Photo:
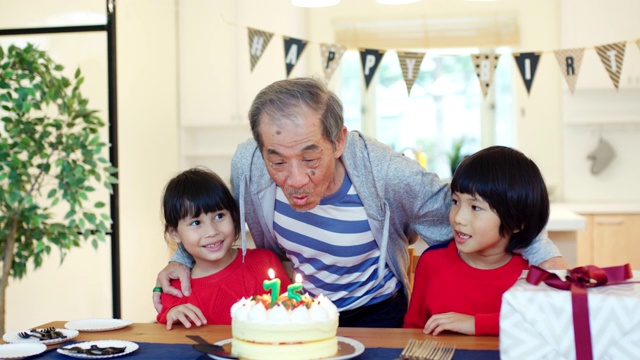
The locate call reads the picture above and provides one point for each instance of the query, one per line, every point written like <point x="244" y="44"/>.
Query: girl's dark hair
<point x="512" y="185"/>
<point x="196" y="191"/>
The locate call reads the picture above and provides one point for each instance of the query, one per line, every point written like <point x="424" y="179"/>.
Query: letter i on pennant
<point x="527" y="64"/>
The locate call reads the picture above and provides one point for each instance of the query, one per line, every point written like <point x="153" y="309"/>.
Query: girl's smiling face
<point x="476" y="230"/>
<point x="208" y="238"/>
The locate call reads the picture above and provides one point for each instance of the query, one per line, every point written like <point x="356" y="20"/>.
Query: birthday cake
<point x="284" y="329"/>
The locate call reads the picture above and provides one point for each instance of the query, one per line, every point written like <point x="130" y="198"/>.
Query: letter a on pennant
<point x="612" y="56"/>
<point x="370" y="59"/>
<point x="527" y="64"/>
<point x="258" y="41"/>
<point x="485" y="65"/>
<point x="410" y="64"/>
<point x="570" y="61"/>
<point x="331" y="54"/>
<point x="293" y="48"/>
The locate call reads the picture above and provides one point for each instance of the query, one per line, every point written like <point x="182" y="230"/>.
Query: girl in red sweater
<point x="202" y="216"/>
<point x="499" y="204"/>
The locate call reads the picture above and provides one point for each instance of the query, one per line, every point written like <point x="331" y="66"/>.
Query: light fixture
<point x="314" y="3"/>
<point x="396" y="2"/>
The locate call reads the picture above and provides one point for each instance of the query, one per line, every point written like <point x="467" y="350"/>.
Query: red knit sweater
<point x="214" y="294"/>
<point x="444" y="283"/>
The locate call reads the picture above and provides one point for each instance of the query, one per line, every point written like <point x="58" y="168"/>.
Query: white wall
<point x="148" y="153"/>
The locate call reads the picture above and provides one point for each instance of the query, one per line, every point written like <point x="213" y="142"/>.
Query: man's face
<point x="300" y="160"/>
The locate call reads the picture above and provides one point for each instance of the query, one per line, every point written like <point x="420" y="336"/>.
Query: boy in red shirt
<point x="499" y="205"/>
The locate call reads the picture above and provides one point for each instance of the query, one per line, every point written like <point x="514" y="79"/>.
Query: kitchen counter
<point x="563" y="218"/>
<point x="588" y="208"/>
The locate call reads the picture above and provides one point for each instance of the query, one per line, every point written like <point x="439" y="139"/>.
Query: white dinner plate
<point x="130" y="347"/>
<point x="97" y="324"/>
<point x="19" y="351"/>
<point x="350" y="349"/>
<point x="13" y="337"/>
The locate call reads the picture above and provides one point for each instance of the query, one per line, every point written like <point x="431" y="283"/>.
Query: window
<point x="446" y="105"/>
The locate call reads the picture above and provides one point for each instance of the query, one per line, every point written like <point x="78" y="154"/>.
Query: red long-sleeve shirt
<point x="214" y="294"/>
<point x="444" y="283"/>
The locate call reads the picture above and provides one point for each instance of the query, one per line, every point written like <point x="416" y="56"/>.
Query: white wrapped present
<point x="537" y="321"/>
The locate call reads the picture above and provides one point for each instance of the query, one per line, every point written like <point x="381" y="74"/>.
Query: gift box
<point x="537" y="321"/>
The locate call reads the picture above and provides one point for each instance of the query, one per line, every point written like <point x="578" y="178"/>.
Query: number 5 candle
<point x="293" y="291"/>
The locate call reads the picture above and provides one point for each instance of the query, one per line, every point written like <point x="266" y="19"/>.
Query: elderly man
<point x="342" y="207"/>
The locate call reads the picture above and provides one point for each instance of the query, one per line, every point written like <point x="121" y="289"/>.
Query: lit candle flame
<point x="298" y="278"/>
<point x="271" y="273"/>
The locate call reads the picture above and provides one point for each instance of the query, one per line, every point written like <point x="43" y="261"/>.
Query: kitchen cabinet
<point x="590" y="23"/>
<point x="610" y="240"/>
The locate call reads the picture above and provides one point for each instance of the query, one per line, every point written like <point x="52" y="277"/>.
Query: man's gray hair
<point x="285" y="98"/>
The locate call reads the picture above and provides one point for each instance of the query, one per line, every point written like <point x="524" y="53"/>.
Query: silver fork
<point x="427" y="350"/>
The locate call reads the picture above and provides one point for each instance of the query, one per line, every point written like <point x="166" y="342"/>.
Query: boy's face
<point x="208" y="238"/>
<point x="476" y="229"/>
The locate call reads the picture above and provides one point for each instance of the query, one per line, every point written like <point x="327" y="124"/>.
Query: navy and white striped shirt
<point x="333" y="248"/>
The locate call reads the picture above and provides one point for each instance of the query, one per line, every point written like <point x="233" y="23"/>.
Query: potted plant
<point x="51" y="161"/>
<point x="456" y="156"/>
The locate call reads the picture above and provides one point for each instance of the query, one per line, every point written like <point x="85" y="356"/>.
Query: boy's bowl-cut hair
<point x="512" y="185"/>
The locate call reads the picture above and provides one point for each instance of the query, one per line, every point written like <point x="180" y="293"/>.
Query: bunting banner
<point x="527" y="64"/>
<point x="370" y="59"/>
<point x="485" y="65"/>
<point x="570" y="61"/>
<point x="410" y="64"/>
<point x="292" y="50"/>
<point x="331" y="55"/>
<point x="612" y="56"/>
<point x="258" y="41"/>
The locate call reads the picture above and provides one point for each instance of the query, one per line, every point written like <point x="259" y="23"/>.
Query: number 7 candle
<point x="273" y="285"/>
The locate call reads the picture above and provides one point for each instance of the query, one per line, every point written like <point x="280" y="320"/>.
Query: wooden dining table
<point x="369" y="337"/>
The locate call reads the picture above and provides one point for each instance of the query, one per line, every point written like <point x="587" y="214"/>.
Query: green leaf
<point x="50" y="158"/>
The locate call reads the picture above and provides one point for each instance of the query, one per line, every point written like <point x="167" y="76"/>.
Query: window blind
<point x="482" y="32"/>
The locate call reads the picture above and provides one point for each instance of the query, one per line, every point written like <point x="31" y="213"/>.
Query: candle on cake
<point x="273" y="285"/>
<point x="293" y="291"/>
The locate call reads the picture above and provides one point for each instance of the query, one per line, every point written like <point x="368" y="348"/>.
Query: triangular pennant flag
<point x="410" y="64"/>
<point x="331" y="55"/>
<point x="527" y="63"/>
<point x="570" y="61"/>
<point x="292" y="49"/>
<point x="485" y="67"/>
<point x="612" y="56"/>
<point x="370" y="59"/>
<point x="258" y="41"/>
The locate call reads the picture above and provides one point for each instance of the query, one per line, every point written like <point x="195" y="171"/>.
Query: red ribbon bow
<point x="578" y="280"/>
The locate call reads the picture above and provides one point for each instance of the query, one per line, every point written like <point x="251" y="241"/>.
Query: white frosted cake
<point x="285" y="329"/>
